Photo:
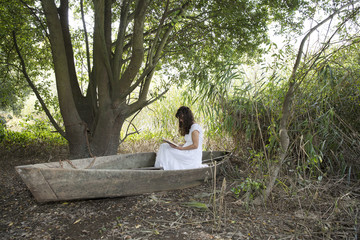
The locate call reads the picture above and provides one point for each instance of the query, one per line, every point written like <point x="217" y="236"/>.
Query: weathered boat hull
<point x="110" y="176"/>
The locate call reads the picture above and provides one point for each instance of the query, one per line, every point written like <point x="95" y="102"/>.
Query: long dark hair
<point x="187" y="117"/>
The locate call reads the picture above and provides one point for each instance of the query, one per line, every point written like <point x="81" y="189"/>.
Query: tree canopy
<point x="17" y="18"/>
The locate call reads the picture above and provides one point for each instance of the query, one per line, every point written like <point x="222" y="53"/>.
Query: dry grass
<point x="134" y="146"/>
<point x="152" y="145"/>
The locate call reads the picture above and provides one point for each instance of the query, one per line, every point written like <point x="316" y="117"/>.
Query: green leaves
<point x="22" y="19"/>
<point x="251" y="187"/>
<point x="35" y="133"/>
<point x="196" y="204"/>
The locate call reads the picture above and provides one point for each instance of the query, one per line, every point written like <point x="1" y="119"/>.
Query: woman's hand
<point x="176" y="147"/>
<point x="195" y="139"/>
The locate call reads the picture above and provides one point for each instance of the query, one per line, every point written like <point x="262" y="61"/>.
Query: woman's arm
<point x="195" y="139"/>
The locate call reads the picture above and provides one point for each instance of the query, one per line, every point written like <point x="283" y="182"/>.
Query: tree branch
<point x="37" y="18"/>
<point x="86" y="38"/>
<point x="153" y="60"/>
<point x="136" y="84"/>
<point x="100" y="36"/>
<point x="127" y="129"/>
<point x="157" y="35"/>
<point x="117" y="63"/>
<point x="141" y="104"/>
<point x="91" y="92"/>
<point x="72" y="120"/>
<point x="64" y="21"/>
<point x="137" y="48"/>
<point x="35" y="90"/>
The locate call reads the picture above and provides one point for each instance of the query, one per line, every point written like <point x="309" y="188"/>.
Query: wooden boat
<point x="111" y="176"/>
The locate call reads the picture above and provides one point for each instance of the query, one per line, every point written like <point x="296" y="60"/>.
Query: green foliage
<point x="249" y="186"/>
<point x="223" y="31"/>
<point x="35" y="132"/>
<point x="26" y="24"/>
<point x="2" y="131"/>
<point x="196" y="204"/>
<point x="327" y="131"/>
<point x="158" y="120"/>
<point x="324" y="125"/>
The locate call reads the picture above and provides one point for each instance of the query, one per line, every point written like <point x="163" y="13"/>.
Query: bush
<point x="36" y="137"/>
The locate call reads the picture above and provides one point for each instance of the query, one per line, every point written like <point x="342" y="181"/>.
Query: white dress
<point x="173" y="159"/>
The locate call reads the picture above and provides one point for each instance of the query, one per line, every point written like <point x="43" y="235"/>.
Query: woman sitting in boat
<point x="187" y="156"/>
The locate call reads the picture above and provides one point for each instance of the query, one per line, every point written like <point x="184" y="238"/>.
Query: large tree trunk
<point x="105" y="141"/>
<point x="74" y="127"/>
<point x="107" y="134"/>
<point x="93" y="122"/>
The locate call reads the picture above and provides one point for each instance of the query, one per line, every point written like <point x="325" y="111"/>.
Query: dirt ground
<point x="315" y="210"/>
